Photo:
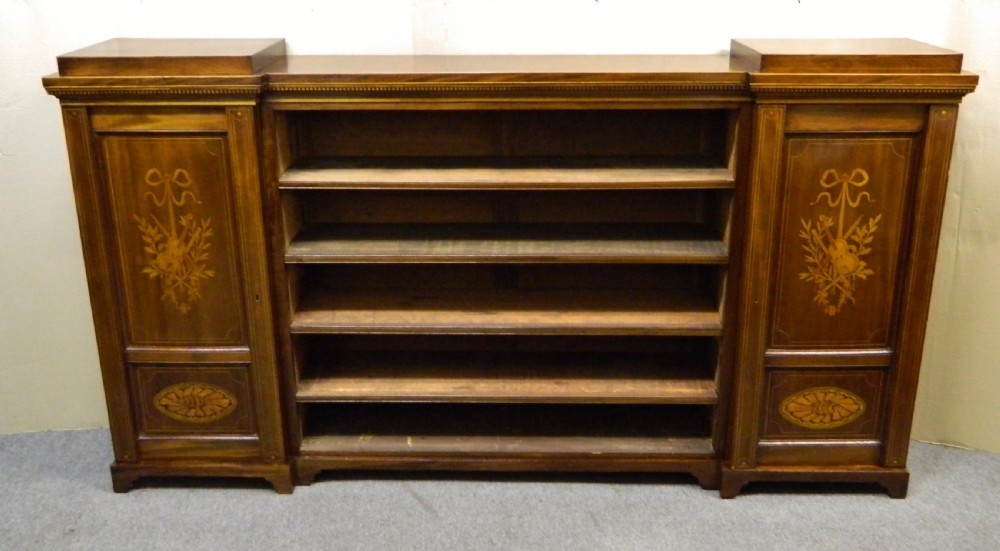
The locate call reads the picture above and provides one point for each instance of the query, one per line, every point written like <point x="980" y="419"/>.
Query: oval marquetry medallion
<point x="195" y="402"/>
<point x="822" y="408"/>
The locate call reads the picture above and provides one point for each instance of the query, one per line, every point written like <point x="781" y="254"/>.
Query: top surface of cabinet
<point x="504" y="64"/>
<point x="165" y="56"/>
<point x="870" y="55"/>
<point x="240" y="68"/>
<point x="217" y="57"/>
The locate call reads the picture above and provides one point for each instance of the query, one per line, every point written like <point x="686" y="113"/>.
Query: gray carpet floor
<point x="57" y="496"/>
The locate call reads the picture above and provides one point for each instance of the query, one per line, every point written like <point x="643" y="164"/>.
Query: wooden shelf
<point x="505" y="173"/>
<point x="605" y="243"/>
<point x="562" y="377"/>
<point x="505" y="429"/>
<point x="551" y="446"/>
<point x="496" y="311"/>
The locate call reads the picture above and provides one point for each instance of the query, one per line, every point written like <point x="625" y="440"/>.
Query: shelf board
<point x="369" y="444"/>
<point x="607" y="377"/>
<point x="505" y="429"/>
<point x="603" y="243"/>
<point x="505" y="173"/>
<point x="495" y="311"/>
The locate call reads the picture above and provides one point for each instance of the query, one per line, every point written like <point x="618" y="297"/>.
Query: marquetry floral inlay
<point x="822" y="408"/>
<point x="178" y="249"/>
<point x="195" y="402"/>
<point x="835" y="252"/>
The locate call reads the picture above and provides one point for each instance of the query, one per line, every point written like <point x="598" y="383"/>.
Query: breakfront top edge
<point x="136" y="57"/>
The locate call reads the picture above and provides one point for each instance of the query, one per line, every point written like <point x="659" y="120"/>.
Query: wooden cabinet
<point x="845" y="201"/>
<point x="717" y="265"/>
<point x="168" y="193"/>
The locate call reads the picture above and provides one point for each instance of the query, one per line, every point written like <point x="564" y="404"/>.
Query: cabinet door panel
<point x="839" y="241"/>
<point x="173" y="229"/>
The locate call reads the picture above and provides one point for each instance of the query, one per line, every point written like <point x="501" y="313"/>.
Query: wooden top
<point x="167" y="56"/>
<point x="514" y="68"/>
<point x="141" y="68"/>
<point x="216" y="57"/>
<point x="872" y="55"/>
<point x="500" y="64"/>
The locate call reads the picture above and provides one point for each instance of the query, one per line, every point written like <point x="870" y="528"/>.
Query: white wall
<point x="960" y="384"/>
<point x="49" y="377"/>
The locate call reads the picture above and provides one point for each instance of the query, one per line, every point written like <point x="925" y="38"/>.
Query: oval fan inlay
<point x="195" y="402"/>
<point x="822" y="408"/>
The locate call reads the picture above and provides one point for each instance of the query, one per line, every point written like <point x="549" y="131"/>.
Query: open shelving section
<point x="505" y="287"/>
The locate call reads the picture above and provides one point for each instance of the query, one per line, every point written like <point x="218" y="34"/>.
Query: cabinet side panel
<point x="928" y="209"/>
<point x="282" y="219"/>
<point x="248" y="189"/>
<point x="762" y="204"/>
<point x="103" y="294"/>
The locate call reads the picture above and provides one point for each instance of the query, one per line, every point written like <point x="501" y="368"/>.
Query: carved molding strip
<point x="765" y="89"/>
<point x="504" y="87"/>
<point x="91" y="91"/>
<point x="525" y="88"/>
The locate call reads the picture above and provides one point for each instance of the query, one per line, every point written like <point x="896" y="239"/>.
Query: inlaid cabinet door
<point x="840" y="236"/>
<point x="171" y="206"/>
